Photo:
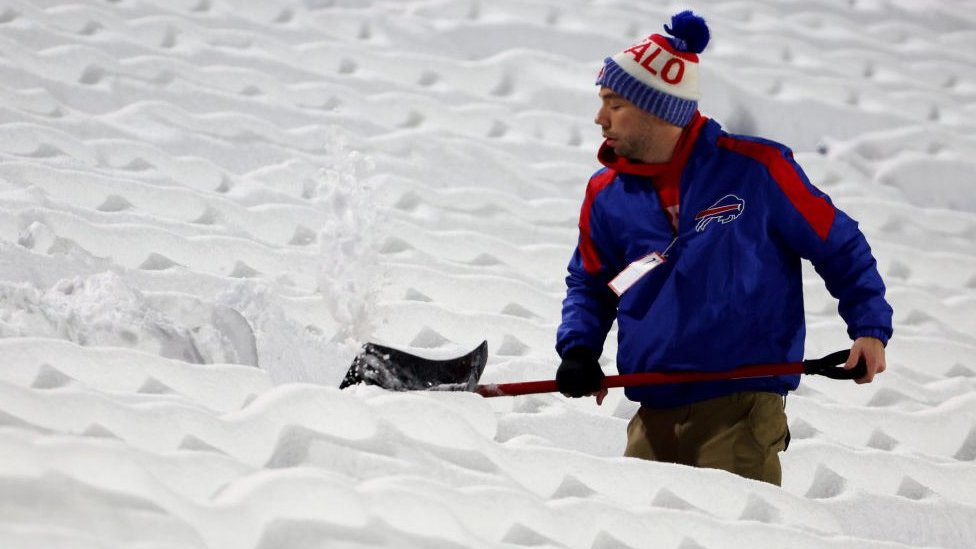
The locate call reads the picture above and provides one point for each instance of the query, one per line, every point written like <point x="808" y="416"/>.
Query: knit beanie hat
<point x="660" y="74"/>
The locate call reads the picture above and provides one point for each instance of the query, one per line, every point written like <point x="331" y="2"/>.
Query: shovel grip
<point x="832" y="366"/>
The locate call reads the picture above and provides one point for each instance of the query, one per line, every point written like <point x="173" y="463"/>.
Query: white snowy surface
<point x="206" y="206"/>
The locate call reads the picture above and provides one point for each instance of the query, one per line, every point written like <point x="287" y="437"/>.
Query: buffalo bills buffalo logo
<point x="726" y="209"/>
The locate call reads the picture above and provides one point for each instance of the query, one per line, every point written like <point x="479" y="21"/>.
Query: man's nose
<point x="601" y="117"/>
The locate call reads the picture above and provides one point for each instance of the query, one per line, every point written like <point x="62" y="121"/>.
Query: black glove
<point x="579" y="374"/>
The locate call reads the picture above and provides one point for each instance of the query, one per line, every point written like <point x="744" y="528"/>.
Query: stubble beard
<point x="643" y="145"/>
<point x="638" y="145"/>
<point x="632" y="147"/>
<point x="625" y="149"/>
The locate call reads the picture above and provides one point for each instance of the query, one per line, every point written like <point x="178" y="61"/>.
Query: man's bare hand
<point x="873" y="352"/>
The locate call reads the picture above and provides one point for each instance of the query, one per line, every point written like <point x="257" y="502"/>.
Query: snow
<point x="206" y="206"/>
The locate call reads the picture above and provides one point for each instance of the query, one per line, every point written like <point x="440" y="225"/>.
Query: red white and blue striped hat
<point x="660" y="74"/>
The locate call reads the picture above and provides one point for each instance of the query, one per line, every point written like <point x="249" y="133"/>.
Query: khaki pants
<point x="741" y="433"/>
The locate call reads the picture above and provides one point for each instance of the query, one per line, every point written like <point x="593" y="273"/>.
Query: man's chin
<point x="621" y="151"/>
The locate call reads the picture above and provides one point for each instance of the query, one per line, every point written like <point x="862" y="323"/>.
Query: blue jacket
<point x="730" y="291"/>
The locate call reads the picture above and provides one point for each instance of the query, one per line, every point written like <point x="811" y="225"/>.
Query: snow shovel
<point x="401" y="371"/>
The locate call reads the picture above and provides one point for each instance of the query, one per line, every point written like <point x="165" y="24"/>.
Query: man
<point x="692" y="239"/>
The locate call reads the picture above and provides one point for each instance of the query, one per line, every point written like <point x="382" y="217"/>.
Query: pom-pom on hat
<point x="660" y="74"/>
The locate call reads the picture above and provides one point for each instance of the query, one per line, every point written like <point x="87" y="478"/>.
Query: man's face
<point x="630" y="131"/>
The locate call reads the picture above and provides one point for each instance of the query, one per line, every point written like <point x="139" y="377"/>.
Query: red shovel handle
<point x="827" y="366"/>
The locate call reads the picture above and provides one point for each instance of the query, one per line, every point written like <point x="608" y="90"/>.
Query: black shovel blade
<point x="401" y="371"/>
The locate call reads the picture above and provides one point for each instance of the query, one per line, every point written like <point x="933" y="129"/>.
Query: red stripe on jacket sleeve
<point x="588" y="251"/>
<point x="817" y="211"/>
